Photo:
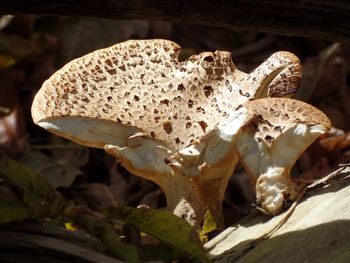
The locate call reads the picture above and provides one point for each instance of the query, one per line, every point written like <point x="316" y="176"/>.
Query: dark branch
<point x="32" y="242"/>
<point x="314" y="18"/>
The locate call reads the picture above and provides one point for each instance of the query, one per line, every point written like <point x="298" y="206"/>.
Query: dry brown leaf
<point x="64" y="152"/>
<point x="98" y="196"/>
<point x="58" y="175"/>
<point x="314" y="70"/>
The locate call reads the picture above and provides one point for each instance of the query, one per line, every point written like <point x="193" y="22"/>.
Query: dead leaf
<point x="100" y="33"/>
<point x="65" y="152"/>
<point x="58" y="175"/>
<point x="98" y="196"/>
<point x="314" y="69"/>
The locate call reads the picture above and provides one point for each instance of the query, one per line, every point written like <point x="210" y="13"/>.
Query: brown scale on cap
<point x="141" y="83"/>
<point x="272" y="117"/>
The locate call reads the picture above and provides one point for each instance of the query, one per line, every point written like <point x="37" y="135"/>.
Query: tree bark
<point x="312" y="18"/>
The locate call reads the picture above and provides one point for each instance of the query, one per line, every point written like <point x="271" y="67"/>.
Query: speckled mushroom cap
<point x="142" y="85"/>
<point x="278" y="131"/>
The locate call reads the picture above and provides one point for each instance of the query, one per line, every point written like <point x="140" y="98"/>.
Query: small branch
<point x="310" y="18"/>
<point x="48" y="243"/>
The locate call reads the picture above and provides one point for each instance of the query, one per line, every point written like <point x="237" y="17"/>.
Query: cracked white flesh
<point x="269" y="165"/>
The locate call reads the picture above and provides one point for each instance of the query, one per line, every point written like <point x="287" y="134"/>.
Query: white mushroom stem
<point x="186" y="197"/>
<point x="215" y="160"/>
<point x="272" y="190"/>
<point x="193" y="181"/>
<point x="183" y="198"/>
<point x="148" y="160"/>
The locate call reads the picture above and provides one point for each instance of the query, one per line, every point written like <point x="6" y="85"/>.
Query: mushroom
<point x="159" y="116"/>
<point x="278" y="132"/>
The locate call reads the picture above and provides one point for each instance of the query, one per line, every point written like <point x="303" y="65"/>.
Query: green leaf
<point x="34" y="191"/>
<point x="210" y="224"/>
<point x="11" y="209"/>
<point x="159" y="252"/>
<point x="164" y="226"/>
<point x="103" y="231"/>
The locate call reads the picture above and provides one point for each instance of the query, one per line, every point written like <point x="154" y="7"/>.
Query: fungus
<point x="278" y="132"/>
<point x="124" y="98"/>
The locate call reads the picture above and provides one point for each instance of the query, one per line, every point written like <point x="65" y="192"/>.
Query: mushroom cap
<point x="142" y="85"/>
<point x="278" y="132"/>
<point x="271" y="117"/>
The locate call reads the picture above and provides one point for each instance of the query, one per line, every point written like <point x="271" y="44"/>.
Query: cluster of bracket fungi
<point x="185" y="124"/>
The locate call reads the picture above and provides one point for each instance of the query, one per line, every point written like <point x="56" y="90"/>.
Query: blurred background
<point x="33" y="47"/>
